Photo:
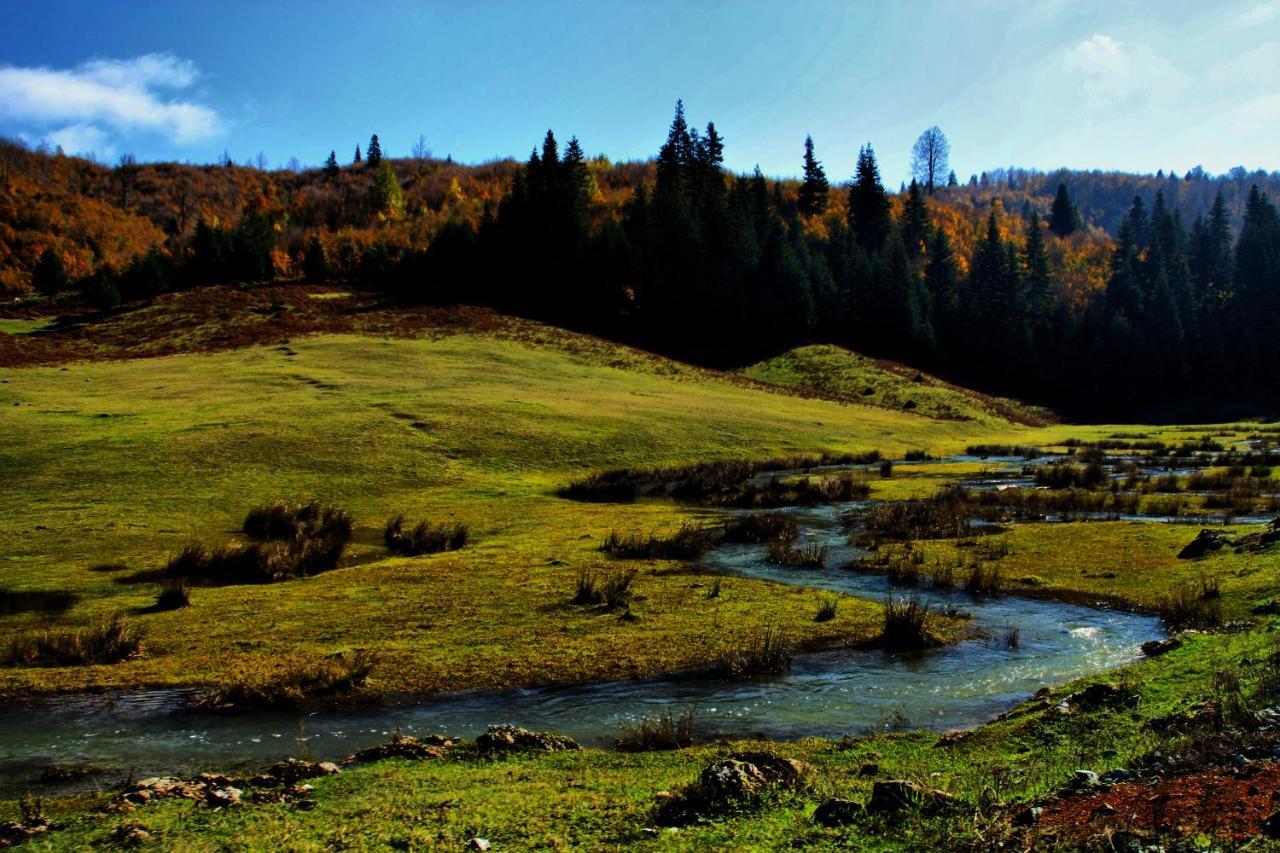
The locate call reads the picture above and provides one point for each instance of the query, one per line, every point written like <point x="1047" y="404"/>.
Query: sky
<point x="1043" y="84"/>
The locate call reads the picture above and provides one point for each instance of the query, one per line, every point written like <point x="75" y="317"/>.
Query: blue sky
<point x="1113" y="85"/>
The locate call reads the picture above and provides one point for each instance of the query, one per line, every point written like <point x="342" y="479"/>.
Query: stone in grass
<point x="516" y="739"/>
<point x="837" y="812"/>
<point x="404" y="746"/>
<point x="478" y="843"/>
<point x="731" y="784"/>
<point x="293" y="770"/>
<point x="897" y="795"/>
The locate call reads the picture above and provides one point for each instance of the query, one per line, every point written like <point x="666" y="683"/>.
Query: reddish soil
<point x="1227" y="805"/>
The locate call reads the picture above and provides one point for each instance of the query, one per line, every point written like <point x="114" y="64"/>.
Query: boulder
<point x="293" y="770"/>
<point x="516" y="739"/>
<point x="223" y="797"/>
<point x="837" y="812"/>
<point x="730" y="780"/>
<point x="1205" y="543"/>
<point x="1155" y="648"/>
<point x="1271" y="826"/>
<point x="478" y="843"/>
<point x="403" y="746"/>
<point x="731" y="784"/>
<point x="896" y="795"/>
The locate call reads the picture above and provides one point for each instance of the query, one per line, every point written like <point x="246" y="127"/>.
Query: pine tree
<point x="915" y="220"/>
<point x="373" y="154"/>
<point x="1037" y="283"/>
<point x="951" y="180"/>
<point x="814" y="189"/>
<point x="385" y="196"/>
<point x="50" y="273"/>
<point x="358" y="158"/>
<point x="315" y="263"/>
<point x="1064" y="219"/>
<point x="331" y="167"/>
<point x="868" y="203"/>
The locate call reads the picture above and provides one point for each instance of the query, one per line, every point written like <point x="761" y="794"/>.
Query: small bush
<point x="759" y="527"/>
<point x="766" y="653"/>
<point x="424" y="538"/>
<point x="687" y="543"/>
<point x="797" y="557"/>
<point x="663" y="732"/>
<point x="112" y="640"/>
<point x="905" y="625"/>
<point x="305" y="521"/>
<point x="173" y="596"/>
<point x="827" y="608"/>
<point x="292" y="685"/>
<point x="984" y="579"/>
<point x="919" y="456"/>
<point x="613" y="590"/>
<point x="1186" y="606"/>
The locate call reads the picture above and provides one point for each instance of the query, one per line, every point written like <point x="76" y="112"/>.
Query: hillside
<point x="840" y="374"/>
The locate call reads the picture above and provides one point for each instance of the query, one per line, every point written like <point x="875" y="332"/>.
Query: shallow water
<point x="826" y="694"/>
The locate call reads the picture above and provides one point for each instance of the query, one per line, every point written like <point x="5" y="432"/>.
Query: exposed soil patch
<point x="1229" y="805"/>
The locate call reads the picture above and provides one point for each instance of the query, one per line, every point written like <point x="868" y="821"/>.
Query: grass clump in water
<point x="785" y="553"/>
<point x="906" y="625"/>
<point x="666" y="731"/>
<point x="687" y="543"/>
<point x="765" y="653"/>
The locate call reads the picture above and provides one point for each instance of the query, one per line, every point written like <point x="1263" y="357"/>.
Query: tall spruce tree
<point x="868" y="203"/>
<point x="358" y="158"/>
<point x="373" y="155"/>
<point x="915" y="220"/>
<point x="1064" y="219"/>
<point x="814" y="188"/>
<point x="331" y="167"/>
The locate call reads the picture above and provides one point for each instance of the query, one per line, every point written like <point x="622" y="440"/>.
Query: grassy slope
<point x="840" y="374"/>
<point x="125" y="461"/>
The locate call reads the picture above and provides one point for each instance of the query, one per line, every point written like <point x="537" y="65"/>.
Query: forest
<point x="1103" y="295"/>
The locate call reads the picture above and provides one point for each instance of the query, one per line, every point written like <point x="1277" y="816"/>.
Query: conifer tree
<point x="373" y="154"/>
<point x="385" y="196"/>
<point x="1064" y="219"/>
<point x="868" y="203"/>
<point x="50" y="274"/>
<point x="814" y="189"/>
<point x="358" y="158"/>
<point x="331" y="166"/>
<point x="315" y="263"/>
<point x="915" y="220"/>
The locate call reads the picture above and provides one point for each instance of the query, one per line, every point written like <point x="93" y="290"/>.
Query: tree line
<point x="723" y="269"/>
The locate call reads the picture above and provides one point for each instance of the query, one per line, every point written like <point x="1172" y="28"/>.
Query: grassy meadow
<point x="112" y="466"/>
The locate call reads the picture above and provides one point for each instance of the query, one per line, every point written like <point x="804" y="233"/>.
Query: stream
<point x="826" y="694"/>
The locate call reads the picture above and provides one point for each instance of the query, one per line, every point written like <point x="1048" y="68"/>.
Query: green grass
<point x="126" y="461"/>
<point x="840" y="374"/>
<point x="14" y="326"/>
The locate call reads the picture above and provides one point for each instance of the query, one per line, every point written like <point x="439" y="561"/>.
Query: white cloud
<point x="1111" y="72"/>
<point x="1256" y="16"/>
<point x="123" y="95"/>
<point x="81" y="139"/>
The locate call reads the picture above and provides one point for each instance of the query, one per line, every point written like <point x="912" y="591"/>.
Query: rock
<point x="401" y="746"/>
<point x="778" y="772"/>
<point x="293" y="770"/>
<point x="1206" y="542"/>
<point x="869" y="770"/>
<point x="837" y="812"/>
<point x="1271" y="826"/>
<point x="731" y="783"/>
<point x="730" y="779"/>
<point x="222" y="797"/>
<point x="1111" y="777"/>
<point x="516" y="739"/>
<point x="1239" y="761"/>
<point x="1085" y="779"/>
<point x="893" y="796"/>
<point x="1094" y="696"/>
<point x="1103" y="810"/>
<point x="1029" y="816"/>
<point x="479" y="844"/>
<point x="132" y="836"/>
<point x="1155" y="648"/>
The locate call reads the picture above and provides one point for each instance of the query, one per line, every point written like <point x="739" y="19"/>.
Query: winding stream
<point x="825" y="694"/>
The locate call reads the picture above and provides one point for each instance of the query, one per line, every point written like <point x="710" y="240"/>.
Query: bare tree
<point x="295" y="165"/>
<point x="930" y="157"/>
<point x="420" y="151"/>
<point x="261" y="162"/>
